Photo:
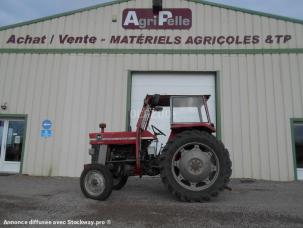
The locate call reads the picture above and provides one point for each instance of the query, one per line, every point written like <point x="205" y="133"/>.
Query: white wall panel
<point x="270" y="122"/>
<point x="244" y="116"/>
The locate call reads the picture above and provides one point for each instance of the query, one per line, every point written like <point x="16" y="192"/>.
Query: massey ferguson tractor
<point x="194" y="165"/>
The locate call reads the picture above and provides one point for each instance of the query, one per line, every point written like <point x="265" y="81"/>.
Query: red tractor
<point x="193" y="164"/>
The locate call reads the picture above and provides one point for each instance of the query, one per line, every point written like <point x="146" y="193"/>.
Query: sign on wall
<point x="141" y="21"/>
<point x="46" y="131"/>
<point x="180" y="18"/>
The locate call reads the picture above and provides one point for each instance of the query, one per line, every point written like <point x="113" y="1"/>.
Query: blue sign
<point x="46" y="133"/>
<point x="47" y="124"/>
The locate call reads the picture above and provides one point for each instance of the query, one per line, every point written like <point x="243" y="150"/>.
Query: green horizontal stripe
<point x="151" y="51"/>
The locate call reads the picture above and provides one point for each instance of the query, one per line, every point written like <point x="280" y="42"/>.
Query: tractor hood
<point x="118" y="137"/>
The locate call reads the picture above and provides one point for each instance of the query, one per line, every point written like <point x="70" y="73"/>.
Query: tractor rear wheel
<point x="195" y="166"/>
<point x="96" y="182"/>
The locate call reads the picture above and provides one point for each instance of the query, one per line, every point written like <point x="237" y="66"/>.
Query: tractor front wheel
<point x="195" y="166"/>
<point x="96" y="182"/>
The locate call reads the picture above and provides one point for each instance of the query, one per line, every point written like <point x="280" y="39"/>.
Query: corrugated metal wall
<point x="259" y="93"/>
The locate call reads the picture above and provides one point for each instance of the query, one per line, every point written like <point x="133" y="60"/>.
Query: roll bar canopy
<point x="164" y="100"/>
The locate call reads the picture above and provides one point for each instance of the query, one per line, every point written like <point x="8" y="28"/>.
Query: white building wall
<point x="259" y="93"/>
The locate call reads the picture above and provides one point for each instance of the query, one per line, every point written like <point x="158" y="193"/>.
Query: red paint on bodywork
<point x="177" y="128"/>
<point x="193" y="125"/>
<point x="120" y="138"/>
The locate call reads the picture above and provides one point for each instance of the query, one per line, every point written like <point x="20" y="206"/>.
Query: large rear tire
<point x="96" y="182"/>
<point x="195" y="166"/>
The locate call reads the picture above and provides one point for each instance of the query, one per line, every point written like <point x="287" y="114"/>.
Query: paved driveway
<point x="146" y="203"/>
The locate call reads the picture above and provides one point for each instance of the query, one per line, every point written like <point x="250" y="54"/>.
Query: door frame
<point x="293" y="121"/>
<point x="18" y="116"/>
<point x="217" y="94"/>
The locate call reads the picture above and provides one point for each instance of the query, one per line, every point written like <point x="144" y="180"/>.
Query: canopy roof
<point x="164" y="100"/>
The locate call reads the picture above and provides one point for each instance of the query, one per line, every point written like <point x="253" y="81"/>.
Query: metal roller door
<point x="169" y="83"/>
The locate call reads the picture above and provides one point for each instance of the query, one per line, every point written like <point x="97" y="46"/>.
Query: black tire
<point x="194" y="194"/>
<point x="119" y="182"/>
<point x="100" y="171"/>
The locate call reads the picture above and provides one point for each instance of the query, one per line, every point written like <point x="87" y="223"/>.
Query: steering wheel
<point x="157" y="131"/>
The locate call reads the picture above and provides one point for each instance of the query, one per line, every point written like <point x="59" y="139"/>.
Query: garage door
<point x="170" y="84"/>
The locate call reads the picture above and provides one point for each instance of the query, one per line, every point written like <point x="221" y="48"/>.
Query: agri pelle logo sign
<point x="180" y="18"/>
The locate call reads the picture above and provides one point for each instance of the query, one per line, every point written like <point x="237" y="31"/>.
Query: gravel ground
<point x="146" y="203"/>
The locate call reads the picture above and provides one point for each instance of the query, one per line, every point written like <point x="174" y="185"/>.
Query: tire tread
<point x="222" y="180"/>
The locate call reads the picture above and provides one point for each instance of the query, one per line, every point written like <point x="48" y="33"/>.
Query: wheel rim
<point x="94" y="183"/>
<point x="195" y="166"/>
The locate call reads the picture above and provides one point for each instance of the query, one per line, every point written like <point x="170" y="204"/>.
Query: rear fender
<point x="88" y="166"/>
<point x="175" y="131"/>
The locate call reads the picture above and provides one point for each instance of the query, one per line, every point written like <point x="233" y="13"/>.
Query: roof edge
<point x="62" y="14"/>
<point x="253" y="12"/>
